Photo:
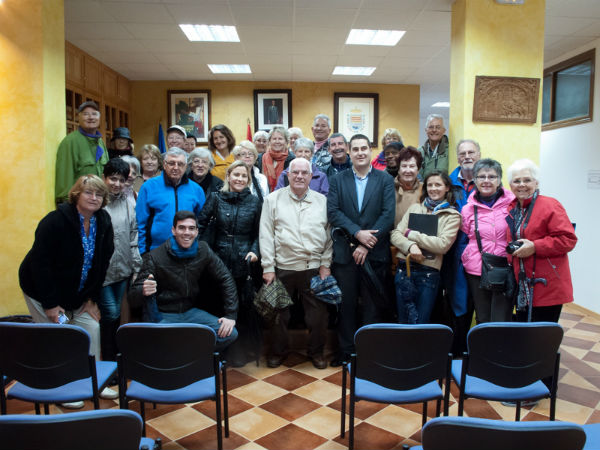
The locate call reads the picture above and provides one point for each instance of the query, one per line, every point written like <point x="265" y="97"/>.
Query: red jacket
<point x="553" y="236"/>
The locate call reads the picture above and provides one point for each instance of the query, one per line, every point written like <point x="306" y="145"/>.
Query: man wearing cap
<point x="81" y="152"/>
<point x="121" y="143"/>
<point x="176" y="137"/>
<point x="295" y="246"/>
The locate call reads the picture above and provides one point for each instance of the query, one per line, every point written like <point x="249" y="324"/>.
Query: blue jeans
<point x="195" y="315"/>
<point x="426" y="281"/>
<point x="110" y="300"/>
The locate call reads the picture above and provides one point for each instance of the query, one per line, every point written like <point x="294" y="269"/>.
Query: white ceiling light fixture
<point x="441" y="105"/>
<point x="510" y="2"/>
<point x="210" y="33"/>
<point x="357" y="71"/>
<point x="374" y="37"/>
<point x="229" y="68"/>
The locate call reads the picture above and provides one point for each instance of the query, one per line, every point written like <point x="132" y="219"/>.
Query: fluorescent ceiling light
<point x="441" y="105"/>
<point x="359" y="71"/>
<point x="229" y="68"/>
<point x="374" y="37"/>
<point x="210" y="33"/>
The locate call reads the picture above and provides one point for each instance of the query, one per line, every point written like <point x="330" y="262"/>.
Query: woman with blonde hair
<point x="229" y="224"/>
<point x="248" y="153"/>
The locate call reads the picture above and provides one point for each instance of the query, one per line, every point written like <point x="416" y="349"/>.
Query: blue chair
<point x="398" y="364"/>
<point x="51" y="364"/>
<point x="90" y="430"/>
<point x="171" y="364"/>
<point x="592" y="434"/>
<point x="466" y="433"/>
<point x="508" y="361"/>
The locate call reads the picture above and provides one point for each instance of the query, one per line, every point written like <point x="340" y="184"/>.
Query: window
<point x="568" y="92"/>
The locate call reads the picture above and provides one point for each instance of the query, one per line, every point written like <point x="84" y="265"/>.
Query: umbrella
<point x="406" y="293"/>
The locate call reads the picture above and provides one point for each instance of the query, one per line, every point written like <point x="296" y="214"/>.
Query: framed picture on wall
<point x="272" y="107"/>
<point x="356" y="113"/>
<point x="191" y="110"/>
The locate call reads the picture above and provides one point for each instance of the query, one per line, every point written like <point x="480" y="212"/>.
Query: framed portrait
<point x="191" y="110"/>
<point x="272" y="107"/>
<point x="356" y="113"/>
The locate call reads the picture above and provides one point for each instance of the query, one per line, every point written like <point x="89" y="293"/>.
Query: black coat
<point x="237" y="217"/>
<point x="377" y="212"/>
<point x="51" y="271"/>
<point x="180" y="282"/>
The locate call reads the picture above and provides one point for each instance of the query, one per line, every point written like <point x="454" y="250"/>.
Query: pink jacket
<point x="492" y="229"/>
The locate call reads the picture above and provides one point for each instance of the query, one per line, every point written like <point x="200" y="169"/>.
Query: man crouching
<point x="168" y="283"/>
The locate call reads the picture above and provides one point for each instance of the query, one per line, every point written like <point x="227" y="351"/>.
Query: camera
<point x="512" y="246"/>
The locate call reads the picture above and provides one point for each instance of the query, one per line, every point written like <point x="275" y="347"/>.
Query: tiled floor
<point x="298" y="407"/>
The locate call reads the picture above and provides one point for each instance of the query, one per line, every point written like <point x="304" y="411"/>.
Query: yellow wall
<point x="495" y="40"/>
<point x="232" y="104"/>
<point x="32" y="123"/>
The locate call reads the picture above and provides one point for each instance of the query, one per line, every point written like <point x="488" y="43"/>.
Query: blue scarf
<point x="97" y="135"/>
<point x="183" y="252"/>
<point x="436" y="205"/>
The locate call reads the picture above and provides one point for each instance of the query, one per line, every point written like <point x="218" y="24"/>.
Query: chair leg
<point x="343" y="430"/>
<point x="2" y="396"/>
<point x="438" y="407"/>
<point x="518" y="411"/>
<point x="352" y="403"/>
<point x="143" y="414"/>
<point x="554" y="388"/>
<point x="225" y="403"/>
<point x="461" y="400"/>
<point x="424" y="418"/>
<point x="37" y="409"/>
<point x="46" y="409"/>
<point x="217" y="372"/>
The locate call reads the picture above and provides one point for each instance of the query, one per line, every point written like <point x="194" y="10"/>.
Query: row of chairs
<point x="400" y="364"/>
<point x="177" y="364"/>
<point x="157" y="363"/>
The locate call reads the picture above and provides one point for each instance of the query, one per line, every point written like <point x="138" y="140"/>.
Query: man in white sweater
<point x="295" y="246"/>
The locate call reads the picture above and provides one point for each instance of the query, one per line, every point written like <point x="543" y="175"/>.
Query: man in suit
<point x="361" y="206"/>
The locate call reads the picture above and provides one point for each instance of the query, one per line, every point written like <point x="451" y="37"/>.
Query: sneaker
<point x="73" y="405"/>
<point x="109" y="394"/>
<point x="523" y="403"/>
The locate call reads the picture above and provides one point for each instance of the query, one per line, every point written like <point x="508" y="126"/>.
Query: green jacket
<point x="76" y="156"/>
<point x="437" y="162"/>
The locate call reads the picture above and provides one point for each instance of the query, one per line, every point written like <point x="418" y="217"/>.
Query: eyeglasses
<point x="246" y="154"/>
<point x="486" y="177"/>
<point x="435" y="127"/>
<point x="199" y="162"/>
<point x="175" y="163"/>
<point x="90" y="114"/>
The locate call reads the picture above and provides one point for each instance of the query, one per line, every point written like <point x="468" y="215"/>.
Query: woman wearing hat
<point x="121" y="143"/>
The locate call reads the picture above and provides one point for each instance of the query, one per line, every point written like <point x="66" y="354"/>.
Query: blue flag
<point x="161" y="139"/>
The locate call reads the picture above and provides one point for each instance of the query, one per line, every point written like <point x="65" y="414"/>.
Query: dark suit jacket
<point x="377" y="212"/>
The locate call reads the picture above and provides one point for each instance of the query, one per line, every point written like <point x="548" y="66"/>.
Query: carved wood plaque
<point x="506" y="99"/>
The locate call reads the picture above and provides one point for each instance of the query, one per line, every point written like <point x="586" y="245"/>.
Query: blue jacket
<point x="453" y="272"/>
<point x="157" y="203"/>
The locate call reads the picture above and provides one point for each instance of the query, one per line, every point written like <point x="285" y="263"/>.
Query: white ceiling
<point x="296" y="40"/>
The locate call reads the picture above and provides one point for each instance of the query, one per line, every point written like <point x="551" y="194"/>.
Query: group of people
<point x="185" y="231"/>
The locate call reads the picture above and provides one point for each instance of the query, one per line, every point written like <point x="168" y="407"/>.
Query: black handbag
<point x="496" y="273"/>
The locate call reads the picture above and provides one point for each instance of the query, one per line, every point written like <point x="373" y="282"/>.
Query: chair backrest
<point x="44" y="356"/>
<point x="166" y="356"/>
<point x="402" y="357"/>
<point x="513" y="354"/>
<point x="90" y="430"/>
<point x="466" y="433"/>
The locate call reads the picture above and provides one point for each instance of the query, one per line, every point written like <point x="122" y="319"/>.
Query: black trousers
<point x="315" y="313"/>
<point x="353" y="315"/>
<point x="541" y="314"/>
